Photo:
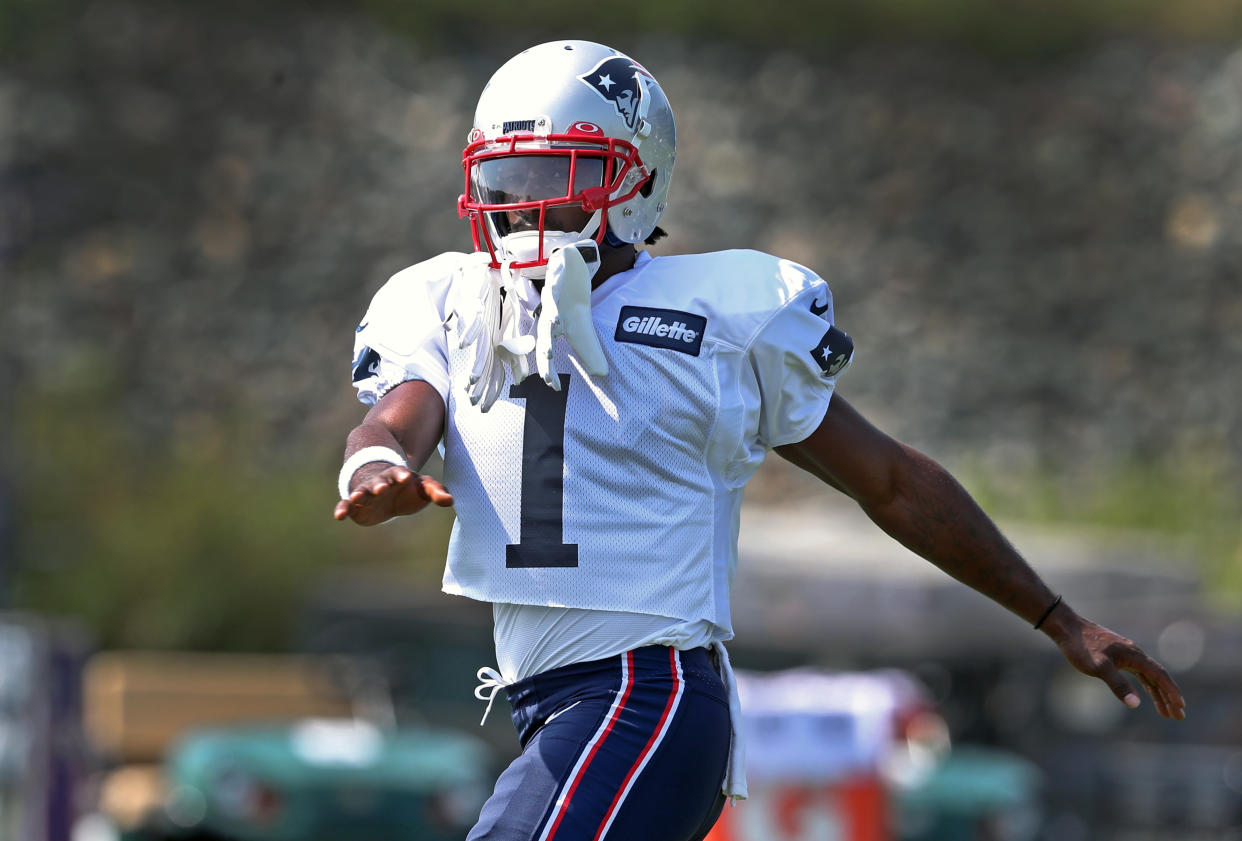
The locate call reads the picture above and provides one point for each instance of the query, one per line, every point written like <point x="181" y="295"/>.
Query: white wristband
<point x="365" y="456"/>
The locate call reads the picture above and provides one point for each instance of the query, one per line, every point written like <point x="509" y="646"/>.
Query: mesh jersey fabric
<point x="640" y="471"/>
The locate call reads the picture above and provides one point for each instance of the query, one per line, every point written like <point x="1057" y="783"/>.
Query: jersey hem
<point x="458" y="590"/>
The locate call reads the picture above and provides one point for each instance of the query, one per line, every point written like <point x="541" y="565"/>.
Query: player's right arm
<point x="400" y="370"/>
<point x="410" y="420"/>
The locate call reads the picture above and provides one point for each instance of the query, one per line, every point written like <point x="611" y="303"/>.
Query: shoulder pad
<point x="414" y="295"/>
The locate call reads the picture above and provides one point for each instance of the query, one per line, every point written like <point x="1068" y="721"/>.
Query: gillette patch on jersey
<point x="671" y="329"/>
<point x="834" y="351"/>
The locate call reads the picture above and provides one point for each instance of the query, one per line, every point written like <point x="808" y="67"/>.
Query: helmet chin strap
<point x="592" y="225"/>
<point x="550" y="243"/>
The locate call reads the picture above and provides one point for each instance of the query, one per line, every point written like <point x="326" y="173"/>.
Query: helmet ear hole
<point x="648" y="185"/>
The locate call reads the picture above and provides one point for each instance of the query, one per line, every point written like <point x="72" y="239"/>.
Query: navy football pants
<point x="631" y="748"/>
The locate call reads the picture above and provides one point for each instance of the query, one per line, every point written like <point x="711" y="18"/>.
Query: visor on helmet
<point x="530" y="179"/>
<point x="527" y="185"/>
<point x="527" y="195"/>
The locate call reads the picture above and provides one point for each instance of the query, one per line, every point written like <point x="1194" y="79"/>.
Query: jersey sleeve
<point x="795" y="358"/>
<point x="401" y="337"/>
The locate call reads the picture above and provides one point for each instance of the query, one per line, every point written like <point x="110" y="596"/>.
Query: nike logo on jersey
<point x="669" y="329"/>
<point x="817" y="309"/>
<point x="834" y="351"/>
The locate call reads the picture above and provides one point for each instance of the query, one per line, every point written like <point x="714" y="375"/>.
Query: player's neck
<point x="614" y="261"/>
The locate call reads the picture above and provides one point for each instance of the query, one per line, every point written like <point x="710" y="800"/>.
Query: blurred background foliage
<point x="188" y="545"/>
<point x="1031" y="214"/>
<point x="1007" y="29"/>
<point x="1010" y="28"/>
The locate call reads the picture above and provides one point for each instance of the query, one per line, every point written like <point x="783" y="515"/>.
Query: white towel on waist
<point x="735" y="774"/>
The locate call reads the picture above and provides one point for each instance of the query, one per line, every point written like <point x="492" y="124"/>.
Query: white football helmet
<point x="571" y="140"/>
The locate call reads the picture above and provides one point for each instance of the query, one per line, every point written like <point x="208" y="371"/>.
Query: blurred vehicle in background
<point x="268" y="748"/>
<point x="974" y="794"/>
<point x="324" y="780"/>
<point x="866" y="756"/>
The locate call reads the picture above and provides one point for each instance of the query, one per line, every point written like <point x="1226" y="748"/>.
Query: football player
<point x="600" y="411"/>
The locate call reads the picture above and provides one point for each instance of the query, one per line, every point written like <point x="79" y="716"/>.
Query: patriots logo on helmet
<point x="616" y="80"/>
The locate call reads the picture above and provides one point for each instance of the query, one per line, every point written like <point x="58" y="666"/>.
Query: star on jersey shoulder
<point x="833" y="352"/>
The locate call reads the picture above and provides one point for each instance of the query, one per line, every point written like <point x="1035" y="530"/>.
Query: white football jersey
<point x="619" y="492"/>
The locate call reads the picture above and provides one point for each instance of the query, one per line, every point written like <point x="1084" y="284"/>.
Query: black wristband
<point x="1047" y="612"/>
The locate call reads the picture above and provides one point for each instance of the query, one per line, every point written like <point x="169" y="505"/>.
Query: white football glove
<point x="489" y="323"/>
<point x="566" y="311"/>
<point x="483" y="332"/>
<point x="514" y="347"/>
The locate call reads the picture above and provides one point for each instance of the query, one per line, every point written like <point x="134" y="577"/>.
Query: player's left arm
<point x="917" y="502"/>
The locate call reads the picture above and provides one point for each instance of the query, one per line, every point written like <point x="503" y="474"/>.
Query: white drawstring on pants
<point x="490" y="682"/>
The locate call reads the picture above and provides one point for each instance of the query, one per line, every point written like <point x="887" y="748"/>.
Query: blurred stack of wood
<point x="137" y="704"/>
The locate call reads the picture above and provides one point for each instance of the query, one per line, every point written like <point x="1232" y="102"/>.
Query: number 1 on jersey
<point x="541" y="542"/>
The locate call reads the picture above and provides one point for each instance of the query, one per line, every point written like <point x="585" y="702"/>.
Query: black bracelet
<point x="1048" y="612"/>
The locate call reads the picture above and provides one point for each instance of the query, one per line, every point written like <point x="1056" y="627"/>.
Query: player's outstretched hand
<point x="381" y="494"/>
<point x="1096" y="651"/>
